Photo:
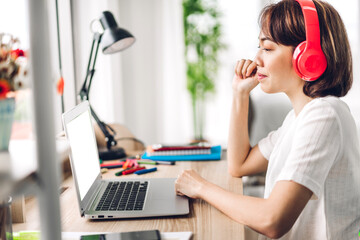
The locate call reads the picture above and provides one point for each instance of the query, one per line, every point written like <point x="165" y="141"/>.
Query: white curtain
<point x="155" y="98"/>
<point x="106" y="88"/>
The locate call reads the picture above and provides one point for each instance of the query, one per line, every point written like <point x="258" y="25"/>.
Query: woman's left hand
<point x="189" y="183"/>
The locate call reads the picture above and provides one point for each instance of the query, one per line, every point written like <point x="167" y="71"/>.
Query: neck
<point x="298" y="100"/>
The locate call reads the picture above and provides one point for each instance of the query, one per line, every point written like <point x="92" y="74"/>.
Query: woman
<point x="312" y="188"/>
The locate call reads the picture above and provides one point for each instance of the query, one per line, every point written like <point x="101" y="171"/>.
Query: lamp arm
<point x="85" y="88"/>
<point x="109" y="137"/>
<point x="92" y="71"/>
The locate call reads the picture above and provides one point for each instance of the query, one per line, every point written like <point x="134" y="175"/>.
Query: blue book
<point x="214" y="155"/>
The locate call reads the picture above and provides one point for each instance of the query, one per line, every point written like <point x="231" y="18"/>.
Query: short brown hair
<point x="283" y="22"/>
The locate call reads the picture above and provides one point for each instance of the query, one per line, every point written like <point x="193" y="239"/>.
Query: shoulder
<point x="331" y="102"/>
<point x="330" y="108"/>
<point x="321" y="118"/>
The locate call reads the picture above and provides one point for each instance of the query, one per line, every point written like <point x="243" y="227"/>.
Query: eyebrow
<point x="265" y="38"/>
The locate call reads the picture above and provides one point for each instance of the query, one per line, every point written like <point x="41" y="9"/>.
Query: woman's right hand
<point x="245" y="78"/>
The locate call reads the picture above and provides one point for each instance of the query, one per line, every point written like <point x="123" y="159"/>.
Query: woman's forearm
<point x="273" y="216"/>
<point x="238" y="140"/>
<point x="246" y="210"/>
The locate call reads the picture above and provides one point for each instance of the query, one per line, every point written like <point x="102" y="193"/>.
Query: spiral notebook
<point x="215" y="154"/>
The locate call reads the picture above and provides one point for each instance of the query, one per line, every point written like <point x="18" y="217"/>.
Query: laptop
<point x="113" y="198"/>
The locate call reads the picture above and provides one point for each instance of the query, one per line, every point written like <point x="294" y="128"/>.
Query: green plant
<point x="202" y="29"/>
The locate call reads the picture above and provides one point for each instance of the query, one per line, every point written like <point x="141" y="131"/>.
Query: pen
<point x="145" y="171"/>
<point x="126" y="172"/>
<point x="119" y="173"/>
<point x="165" y="162"/>
<point x="127" y="164"/>
<point x="135" y="164"/>
<point x="147" y="162"/>
<point x="111" y="165"/>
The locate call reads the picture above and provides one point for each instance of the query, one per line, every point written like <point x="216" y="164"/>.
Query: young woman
<point x="312" y="161"/>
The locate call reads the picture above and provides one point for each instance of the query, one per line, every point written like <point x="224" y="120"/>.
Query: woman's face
<point x="274" y="67"/>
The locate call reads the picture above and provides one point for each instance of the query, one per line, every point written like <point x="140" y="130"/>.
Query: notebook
<point x="173" y="150"/>
<point x="214" y="155"/>
<point x="115" y="198"/>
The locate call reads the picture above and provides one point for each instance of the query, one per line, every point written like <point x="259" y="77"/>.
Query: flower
<point x="13" y="65"/>
<point x="4" y="88"/>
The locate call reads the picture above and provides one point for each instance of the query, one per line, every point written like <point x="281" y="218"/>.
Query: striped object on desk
<point x="174" y="150"/>
<point x="214" y="155"/>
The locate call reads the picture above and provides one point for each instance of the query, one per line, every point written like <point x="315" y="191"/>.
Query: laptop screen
<point x="85" y="158"/>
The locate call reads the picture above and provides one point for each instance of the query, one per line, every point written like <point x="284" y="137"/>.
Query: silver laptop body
<point x="160" y="198"/>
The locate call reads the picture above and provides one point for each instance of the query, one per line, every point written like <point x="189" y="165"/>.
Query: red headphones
<point x="308" y="59"/>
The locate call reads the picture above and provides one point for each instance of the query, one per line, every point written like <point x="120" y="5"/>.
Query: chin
<point x="267" y="89"/>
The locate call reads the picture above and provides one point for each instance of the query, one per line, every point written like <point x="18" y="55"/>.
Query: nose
<point x="258" y="59"/>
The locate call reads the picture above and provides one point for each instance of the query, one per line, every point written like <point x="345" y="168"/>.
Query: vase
<point x="7" y="109"/>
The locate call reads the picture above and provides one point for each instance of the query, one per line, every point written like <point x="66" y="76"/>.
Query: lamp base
<point x="111" y="154"/>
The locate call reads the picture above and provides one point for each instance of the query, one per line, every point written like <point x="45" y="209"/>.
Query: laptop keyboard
<point x="123" y="196"/>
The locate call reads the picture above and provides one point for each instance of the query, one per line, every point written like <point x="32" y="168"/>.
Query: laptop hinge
<point x="93" y="196"/>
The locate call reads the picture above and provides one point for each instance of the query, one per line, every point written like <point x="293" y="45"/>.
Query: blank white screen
<point x="85" y="158"/>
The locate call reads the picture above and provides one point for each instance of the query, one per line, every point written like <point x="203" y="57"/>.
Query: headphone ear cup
<point x="309" y="63"/>
<point x="296" y="55"/>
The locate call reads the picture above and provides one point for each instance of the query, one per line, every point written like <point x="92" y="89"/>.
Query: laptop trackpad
<point x="163" y="200"/>
<point x="162" y="188"/>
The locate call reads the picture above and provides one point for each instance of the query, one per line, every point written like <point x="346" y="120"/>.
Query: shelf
<point x="19" y="166"/>
<point x="23" y="156"/>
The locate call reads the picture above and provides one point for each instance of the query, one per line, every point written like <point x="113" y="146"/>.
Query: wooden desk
<point x="204" y="221"/>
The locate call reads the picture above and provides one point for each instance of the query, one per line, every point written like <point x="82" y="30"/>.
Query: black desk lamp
<point x="113" y="39"/>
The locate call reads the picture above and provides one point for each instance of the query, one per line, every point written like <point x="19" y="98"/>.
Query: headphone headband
<point x="311" y="19"/>
<point x="309" y="60"/>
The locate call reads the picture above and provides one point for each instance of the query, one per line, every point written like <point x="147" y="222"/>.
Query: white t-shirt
<point x="318" y="149"/>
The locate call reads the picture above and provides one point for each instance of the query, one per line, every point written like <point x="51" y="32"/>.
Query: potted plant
<point x="202" y="30"/>
<point x="13" y="73"/>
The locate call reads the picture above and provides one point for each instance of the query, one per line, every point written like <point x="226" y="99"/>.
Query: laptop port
<point x="101" y="216"/>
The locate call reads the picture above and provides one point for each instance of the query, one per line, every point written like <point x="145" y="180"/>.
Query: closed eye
<point x="265" y="49"/>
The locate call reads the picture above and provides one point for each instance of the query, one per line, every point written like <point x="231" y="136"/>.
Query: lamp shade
<point x="114" y="39"/>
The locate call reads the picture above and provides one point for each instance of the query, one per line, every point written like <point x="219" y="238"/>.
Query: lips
<point x="261" y="76"/>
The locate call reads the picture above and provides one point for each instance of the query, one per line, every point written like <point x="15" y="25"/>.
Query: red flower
<point x="60" y="86"/>
<point x="4" y="88"/>
<point x="17" y="53"/>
